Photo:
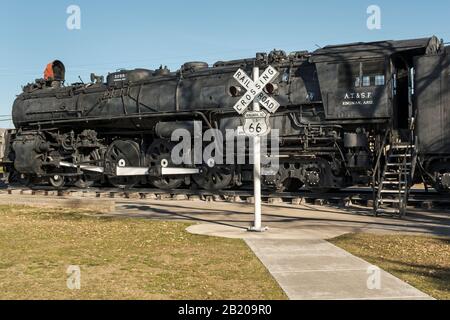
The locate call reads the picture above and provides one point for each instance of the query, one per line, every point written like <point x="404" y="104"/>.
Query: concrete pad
<point x="225" y="231"/>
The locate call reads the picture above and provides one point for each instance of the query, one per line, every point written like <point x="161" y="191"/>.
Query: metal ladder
<point x="395" y="181"/>
<point x="392" y="182"/>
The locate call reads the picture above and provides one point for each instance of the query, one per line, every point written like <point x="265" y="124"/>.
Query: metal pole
<point x="257" y="167"/>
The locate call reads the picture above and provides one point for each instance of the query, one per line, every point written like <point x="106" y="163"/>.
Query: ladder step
<point x="402" y="146"/>
<point x="393" y="191"/>
<point x="389" y="200"/>
<point x="389" y="211"/>
<point x="395" y="174"/>
<point x="401" y="155"/>
<point x="399" y="164"/>
<point x="396" y="182"/>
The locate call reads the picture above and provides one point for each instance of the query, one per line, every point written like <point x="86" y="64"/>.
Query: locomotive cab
<point x="403" y="84"/>
<point x="371" y="80"/>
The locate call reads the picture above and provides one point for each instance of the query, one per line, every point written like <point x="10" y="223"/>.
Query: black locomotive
<point x="350" y="114"/>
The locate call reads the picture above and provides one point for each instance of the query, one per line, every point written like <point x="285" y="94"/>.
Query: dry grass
<point x="423" y="262"/>
<point x="122" y="259"/>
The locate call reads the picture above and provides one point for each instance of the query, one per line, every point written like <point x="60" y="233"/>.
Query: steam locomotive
<point x="349" y="115"/>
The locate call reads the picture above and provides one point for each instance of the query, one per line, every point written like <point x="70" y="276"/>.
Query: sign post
<point x="257" y="167"/>
<point x="256" y="124"/>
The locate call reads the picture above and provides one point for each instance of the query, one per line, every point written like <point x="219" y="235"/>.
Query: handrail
<point x="377" y="166"/>
<point x="413" y="160"/>
<point x="404" y="196"/>
<point x="377" y="169"/>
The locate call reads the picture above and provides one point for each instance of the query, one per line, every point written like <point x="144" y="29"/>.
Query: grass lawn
<point x="423" y="262"/>
<point x="122" y="259"/>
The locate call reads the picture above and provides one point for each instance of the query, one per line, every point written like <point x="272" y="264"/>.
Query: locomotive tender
<point x="346" y="112"/>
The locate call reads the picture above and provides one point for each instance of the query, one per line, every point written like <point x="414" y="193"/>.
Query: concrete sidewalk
<point x="316" y="269"/>
<point x="307" y="267"/>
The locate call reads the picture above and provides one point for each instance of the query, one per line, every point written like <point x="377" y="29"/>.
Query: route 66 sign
<point x="256" y="123"/>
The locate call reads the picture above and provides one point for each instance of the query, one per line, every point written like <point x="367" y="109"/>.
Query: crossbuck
<point x="255" y="90"/>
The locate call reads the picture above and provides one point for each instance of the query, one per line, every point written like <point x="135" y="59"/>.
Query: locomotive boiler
<point x="350" y="115"/>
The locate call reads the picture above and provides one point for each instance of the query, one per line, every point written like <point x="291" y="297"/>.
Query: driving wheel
<point x="215" y="178"/>
<point x="122" y="153"/>
<point x="88" y="179"/>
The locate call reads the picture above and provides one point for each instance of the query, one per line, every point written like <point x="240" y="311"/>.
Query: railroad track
<point x="346" y="197"/>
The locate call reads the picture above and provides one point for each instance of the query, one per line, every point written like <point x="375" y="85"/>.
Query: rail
<point x="346" y="197"/>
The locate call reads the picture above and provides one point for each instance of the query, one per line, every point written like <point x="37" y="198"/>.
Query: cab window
<point x="361" y="74"/>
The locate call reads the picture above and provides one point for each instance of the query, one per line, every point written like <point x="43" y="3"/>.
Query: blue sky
<point x="137" y="33"/>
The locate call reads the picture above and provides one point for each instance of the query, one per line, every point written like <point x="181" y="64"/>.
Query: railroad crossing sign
<point x="256" y="123"/>
<point x="255" y="90"/>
